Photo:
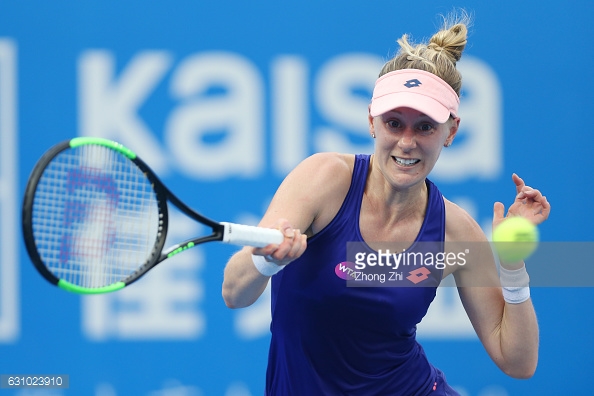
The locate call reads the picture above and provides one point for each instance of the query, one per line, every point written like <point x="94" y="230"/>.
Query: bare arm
<point x="243" y="283"/>
<point x="509" y="332"/>
<point x="305" y="202"/>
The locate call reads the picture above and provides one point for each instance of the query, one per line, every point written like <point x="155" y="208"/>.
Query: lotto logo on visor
<point x="412" y="83"/>
<point x="431" y="95"/>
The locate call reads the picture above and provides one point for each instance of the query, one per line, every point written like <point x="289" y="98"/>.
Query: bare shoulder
<point x="321" y="173"/>
<point x="460" y="226"/>
<point x="311" y="195"/>
<point x="329" y="165"/>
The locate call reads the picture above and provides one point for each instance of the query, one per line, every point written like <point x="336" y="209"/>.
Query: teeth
<point x="406" y="161"/>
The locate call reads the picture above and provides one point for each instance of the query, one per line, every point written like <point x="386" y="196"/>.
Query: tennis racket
<point x="95" y="218"/>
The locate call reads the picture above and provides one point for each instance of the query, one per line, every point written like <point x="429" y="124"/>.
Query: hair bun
<point x="440" y="55"/>
<point x="451" y="41"/>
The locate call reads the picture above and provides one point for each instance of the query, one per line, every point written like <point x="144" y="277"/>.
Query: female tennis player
<point x="332" y="339"/>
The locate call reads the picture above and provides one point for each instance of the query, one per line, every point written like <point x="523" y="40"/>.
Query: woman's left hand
<point x="529" y="203"/>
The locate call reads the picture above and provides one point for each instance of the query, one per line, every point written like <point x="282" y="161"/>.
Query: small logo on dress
<point x="345" y="270"/>
<point x="418" y="275"/>
<point x="412" y="83"/>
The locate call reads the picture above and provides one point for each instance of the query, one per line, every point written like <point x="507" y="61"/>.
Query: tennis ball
<point x="515" y="239"/>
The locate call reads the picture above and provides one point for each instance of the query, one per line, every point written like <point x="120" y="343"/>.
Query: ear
<point x="370" y="120"/>
<point x="454" y="124"/>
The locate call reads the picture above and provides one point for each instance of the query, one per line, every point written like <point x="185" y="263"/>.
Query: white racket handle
<point x="244" y="235"/>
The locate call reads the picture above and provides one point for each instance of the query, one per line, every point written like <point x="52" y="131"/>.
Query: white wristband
<point x="514" y="285"/>
<point x="516" y="295"/>
<point x="265" y="267"/>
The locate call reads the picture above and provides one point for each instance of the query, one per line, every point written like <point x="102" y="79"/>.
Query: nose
<point x="407" y="140"/>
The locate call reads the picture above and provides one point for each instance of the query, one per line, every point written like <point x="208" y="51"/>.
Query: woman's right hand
<point x="290" y="249"/>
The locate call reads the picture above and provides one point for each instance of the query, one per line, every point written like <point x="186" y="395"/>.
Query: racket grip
<point x="239" y="234"/>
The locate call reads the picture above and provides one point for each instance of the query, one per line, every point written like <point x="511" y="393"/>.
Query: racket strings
<point x="95" y="216"/>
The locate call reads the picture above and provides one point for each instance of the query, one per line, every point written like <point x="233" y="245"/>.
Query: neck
<point x="392" y="203"/>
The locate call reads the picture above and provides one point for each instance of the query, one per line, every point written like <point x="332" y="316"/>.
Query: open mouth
<point x="406" y="161"/>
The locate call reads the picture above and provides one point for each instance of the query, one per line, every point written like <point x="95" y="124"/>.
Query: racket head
<point x="94" y="216"/>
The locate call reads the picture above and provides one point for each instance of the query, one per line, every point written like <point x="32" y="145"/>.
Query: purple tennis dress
<point x="332" y="339"/>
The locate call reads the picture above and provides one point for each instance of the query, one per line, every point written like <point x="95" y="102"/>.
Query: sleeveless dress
<point x="332" y="339"/>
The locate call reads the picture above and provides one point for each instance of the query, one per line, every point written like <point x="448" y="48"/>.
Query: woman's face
<point x="408" y="144"/>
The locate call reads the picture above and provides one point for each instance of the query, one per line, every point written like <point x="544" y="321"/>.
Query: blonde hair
<point x="439" y="56"/>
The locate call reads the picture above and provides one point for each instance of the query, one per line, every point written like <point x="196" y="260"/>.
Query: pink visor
<point x="417" y="89"/>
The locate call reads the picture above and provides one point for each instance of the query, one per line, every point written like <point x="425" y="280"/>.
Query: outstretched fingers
<point x="529" y="202"/>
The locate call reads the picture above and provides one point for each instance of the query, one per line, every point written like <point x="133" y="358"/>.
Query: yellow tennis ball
<point x="515" y="239"/>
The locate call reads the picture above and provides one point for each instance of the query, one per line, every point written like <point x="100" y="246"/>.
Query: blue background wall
<point x="227" y="96"/>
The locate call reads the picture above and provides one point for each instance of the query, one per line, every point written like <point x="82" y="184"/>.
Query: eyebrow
<point x="400" y="113"/>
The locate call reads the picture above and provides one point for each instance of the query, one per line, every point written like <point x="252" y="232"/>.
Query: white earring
<point x="373" y="135"/>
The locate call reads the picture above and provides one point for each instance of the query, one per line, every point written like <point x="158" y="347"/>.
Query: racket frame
<point x="163" y="195"/>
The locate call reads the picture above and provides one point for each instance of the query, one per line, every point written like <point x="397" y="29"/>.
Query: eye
<point x="426" y="128"/>
<point x="394" y="124"/>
